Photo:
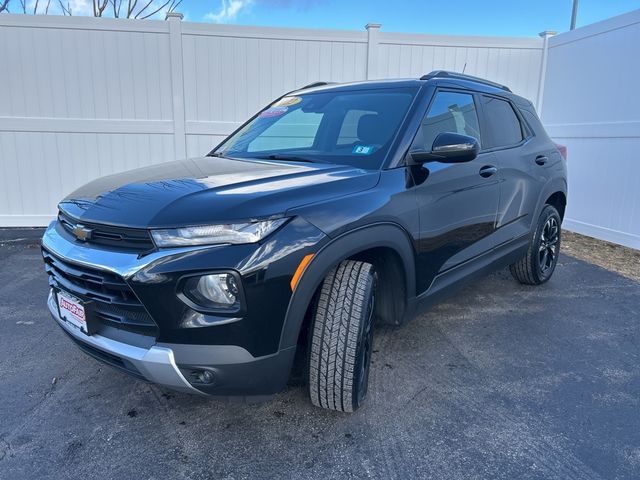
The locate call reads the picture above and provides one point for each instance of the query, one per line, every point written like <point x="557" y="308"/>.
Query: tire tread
<point x="339" y="313"/>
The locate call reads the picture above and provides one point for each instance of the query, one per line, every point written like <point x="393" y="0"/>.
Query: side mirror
<point x="449" y="147"/>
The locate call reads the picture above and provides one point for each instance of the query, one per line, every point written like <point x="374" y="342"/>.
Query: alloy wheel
<point x="549" y="242"/>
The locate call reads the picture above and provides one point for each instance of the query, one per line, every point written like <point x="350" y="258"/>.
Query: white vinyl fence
<point x="592" y="105"/>
<point x="85" y="97"/>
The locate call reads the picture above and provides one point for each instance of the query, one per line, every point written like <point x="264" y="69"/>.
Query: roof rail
<point x="316" y="84"/>
<point x="462" y="76"/>
<point x="311" y="85"/>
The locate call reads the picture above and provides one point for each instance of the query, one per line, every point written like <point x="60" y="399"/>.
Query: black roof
<point x="439" y="77"/>
<point x="461" y="76"/>
<point x="363" y="84"/>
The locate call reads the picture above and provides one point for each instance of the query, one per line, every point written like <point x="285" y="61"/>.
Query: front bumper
<point x="156" y="364"/>
<point x="235" y="371"/>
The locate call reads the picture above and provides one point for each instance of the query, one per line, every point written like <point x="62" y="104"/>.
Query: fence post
<point x="543" y="68"/>
<point x="177" y="83"/>
<point x="372" y="49"/>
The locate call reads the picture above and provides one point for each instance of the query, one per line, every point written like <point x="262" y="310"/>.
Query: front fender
<point x="346" y="245"/>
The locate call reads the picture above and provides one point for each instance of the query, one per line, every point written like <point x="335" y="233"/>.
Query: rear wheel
<point x="342" y="337"/>
<point x="540" y="261"/>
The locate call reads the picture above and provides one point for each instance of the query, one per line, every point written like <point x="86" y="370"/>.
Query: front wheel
<point x="342" y="337"/>
<point x="539" y="263"/>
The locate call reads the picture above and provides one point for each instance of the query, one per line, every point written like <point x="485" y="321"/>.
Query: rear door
<point x="457" y="202"/>
<point x="521" y="157"/>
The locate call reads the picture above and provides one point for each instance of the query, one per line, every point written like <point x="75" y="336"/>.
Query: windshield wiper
<point x="284" y="156"/>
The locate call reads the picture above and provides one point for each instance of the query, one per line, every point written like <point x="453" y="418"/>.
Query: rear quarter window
<point x="506" y="129"/>
<point x="535" y="125"/>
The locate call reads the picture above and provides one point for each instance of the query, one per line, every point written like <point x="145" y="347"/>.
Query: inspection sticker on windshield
<point x="363" y="149"/>
<point x="273" y="112"/>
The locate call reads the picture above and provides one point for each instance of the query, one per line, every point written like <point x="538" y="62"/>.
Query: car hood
<point x="211" y="190"/>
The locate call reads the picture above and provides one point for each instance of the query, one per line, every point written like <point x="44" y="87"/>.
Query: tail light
<point x="562" y="149"/>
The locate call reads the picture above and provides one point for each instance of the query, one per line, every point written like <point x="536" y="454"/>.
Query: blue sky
<point x="471" y="17"/>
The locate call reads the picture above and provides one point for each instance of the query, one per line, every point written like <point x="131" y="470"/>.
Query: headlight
<point x="215" y="234"/>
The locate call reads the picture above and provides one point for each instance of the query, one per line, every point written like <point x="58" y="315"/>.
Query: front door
<point x="458" y="202"/>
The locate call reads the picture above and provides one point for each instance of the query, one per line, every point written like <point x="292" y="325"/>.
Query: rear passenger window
<point x="450" y="112"/>
<point x="503" y="121"/>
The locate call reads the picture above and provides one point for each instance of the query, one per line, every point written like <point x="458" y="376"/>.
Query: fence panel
<point x="591" y="104"/>
<point x="85" y="97"/>
<point x="81" y="98"/>
<point x="514" y="62"/>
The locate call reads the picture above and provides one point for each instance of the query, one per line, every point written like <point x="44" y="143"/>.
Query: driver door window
<point x="450" y="112"/>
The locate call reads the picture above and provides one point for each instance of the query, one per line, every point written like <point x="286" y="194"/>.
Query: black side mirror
<point x="449" y="147"/>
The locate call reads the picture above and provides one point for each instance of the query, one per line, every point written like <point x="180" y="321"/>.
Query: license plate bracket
<point x="75" y="311"/>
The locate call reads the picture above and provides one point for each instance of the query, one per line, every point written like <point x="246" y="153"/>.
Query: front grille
<point x="115" y="304"/>
<point x="135" y="239"/>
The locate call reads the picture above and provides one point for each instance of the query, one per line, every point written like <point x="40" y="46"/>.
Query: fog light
<point x="199" y="377"/>
<point x="220" y="288"/>
<point x="214" y="292"/>
<point x="205" y="376"/>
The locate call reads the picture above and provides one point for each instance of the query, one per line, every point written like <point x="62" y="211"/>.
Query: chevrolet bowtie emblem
<point x="82" y="233"/>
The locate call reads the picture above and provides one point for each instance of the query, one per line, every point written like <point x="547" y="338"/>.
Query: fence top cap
<point x="177" y="15"/>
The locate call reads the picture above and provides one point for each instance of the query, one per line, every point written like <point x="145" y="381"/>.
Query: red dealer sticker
<point x="72" y="311"/>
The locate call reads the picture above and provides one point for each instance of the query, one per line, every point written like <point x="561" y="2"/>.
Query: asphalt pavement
<point x="499" y="381"/>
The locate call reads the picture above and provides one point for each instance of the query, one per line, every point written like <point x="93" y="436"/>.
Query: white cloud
<point x="80" y="7"/>
<point x="77" y="7"/>
<point x="161" y="14"/>
<point x="83" y="7"/>
<point x="40" y="7"/>
<point x="229" y="10"/>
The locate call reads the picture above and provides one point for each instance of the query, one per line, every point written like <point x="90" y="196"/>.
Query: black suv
<point x="335" y="207"/>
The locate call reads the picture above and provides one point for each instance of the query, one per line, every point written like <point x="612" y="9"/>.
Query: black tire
<point x="539" y="263"/>
<point x="342" y="336"/>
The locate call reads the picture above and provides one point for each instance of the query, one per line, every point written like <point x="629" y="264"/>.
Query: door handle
<point x="487" y="171"/>
<point x="541" y="159"/>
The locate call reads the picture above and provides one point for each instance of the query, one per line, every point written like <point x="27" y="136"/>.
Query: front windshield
<point x="354" y="127"/>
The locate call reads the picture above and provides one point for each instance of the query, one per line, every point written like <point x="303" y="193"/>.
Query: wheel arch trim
<point x="549" y="189"/>
<point x="388" y="235"/>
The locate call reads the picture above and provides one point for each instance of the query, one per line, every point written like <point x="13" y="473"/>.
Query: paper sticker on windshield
<point x="273" y="112"/>
<point x="287" y="102"/>
<point x="362" y="149"/>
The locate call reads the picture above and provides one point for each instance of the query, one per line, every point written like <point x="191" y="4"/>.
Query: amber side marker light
<point x="300" y="270"/>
